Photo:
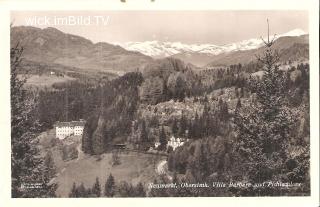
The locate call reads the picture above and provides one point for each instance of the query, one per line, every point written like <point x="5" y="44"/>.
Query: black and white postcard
<point x="166" y="103"/>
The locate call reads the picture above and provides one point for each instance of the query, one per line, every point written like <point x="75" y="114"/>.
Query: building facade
<point x="66" y="129"/>
<point x="176" y="142"/>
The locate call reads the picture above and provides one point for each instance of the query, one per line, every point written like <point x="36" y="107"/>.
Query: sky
<point x="190" y="27"/>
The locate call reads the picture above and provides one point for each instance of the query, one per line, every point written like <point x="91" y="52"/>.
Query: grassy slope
<point x="134" y="168"/>
<point x="45" y="80"/>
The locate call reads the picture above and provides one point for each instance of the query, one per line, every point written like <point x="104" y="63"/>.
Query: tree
<point x="139" y="190"/>
<point x="79" y="191"/>
<point x="223" y="110"/>
<point x="86" y="141"/>
<point x="197" y="129"/>
<point x="199" y="166"/>
<point x="74" y="192"/>
<point x="182" y="126"/>
<point x="89" y="193"/>
<point x="144" y="133"/>
<point x="49" y="164"/>
<point x="263" y="128"/>
<point x="27" y="166"/>
<point x="109" y="187"/>
<point x="207" y="120"/>
<point x="98" y="136"/>
<point x="96" y="189"/>
<point x="180" y="88"/>
<point x="171" y="162"/>
<point x="115" y="158"/>
<point x="241" y="92"/>
<point x="126" y="189"/>
<point x="238" y="106"/>
<point x="174" y="127"/>
<point x="203" y="161"/>
<point x="82" y="192"/>
<point x="163" y="139"/>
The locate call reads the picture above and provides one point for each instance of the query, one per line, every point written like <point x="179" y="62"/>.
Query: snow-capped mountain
<point x="160" y="49"/>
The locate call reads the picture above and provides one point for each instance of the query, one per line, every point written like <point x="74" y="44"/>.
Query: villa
<point x="65" y="129"/>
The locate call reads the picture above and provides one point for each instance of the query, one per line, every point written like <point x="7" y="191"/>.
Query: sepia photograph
<point x="169" y="104"/>
<point x="149" y="105"/>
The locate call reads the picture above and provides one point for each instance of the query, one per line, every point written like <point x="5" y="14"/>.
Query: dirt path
<point x="80" y="153"/>
<point x="162" y="169"/>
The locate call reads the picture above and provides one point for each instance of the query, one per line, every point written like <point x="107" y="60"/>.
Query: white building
<point x="65" y="129"/>
<point x="176" y="142"/>
<point x="157" y="144"/>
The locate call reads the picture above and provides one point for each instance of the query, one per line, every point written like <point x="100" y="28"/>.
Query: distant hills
<point x="51" y="46"/>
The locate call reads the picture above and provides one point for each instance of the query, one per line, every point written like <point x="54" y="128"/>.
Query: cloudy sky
<point x="215" y="27"/>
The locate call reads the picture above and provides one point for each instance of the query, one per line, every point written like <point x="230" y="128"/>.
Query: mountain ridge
<point x="52" y="46"/>
<point x="159" y="49"/>
<point x="290" y="48"/>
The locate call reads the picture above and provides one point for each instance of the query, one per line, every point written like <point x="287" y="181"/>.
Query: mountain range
<point x="158" y="49"/>
<point x="50" y="46"/>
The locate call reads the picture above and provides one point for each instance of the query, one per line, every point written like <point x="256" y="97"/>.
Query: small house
<point x="176" y="142"/>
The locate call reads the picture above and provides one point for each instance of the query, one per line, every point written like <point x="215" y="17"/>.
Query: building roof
<point x="70" y="123"/>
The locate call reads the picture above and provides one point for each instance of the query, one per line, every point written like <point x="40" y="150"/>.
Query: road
<point x="80" y="153"/>
<point x="162" y="169"/>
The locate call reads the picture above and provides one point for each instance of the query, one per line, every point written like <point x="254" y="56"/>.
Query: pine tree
<point x="174" y="127"/>
<point x="98" y="136"/>
<point x="139" y="190"/>
<point x="180" y="89"/>
<point x="82" y="192"/>
<point x="241" y="92"/>
<point x="236" y="92"/>
<point x="196" y="127"/>
<point x="163" y="139"/>
<point x="115" y="158"/>
<point x="238" y="106"/>
<point x="190" y="130"/>
<point x="171" y="162"/>
<point x="200" y="166"/>
<point x="49" y="164"/>
<point x="126" y="189"/>
<point x="27" y="166"/>
<point x="144" y="133"/>
<point x="89" y="193"/>
<point x="183" y="126"/>
<point x="223" y="110"/>
<point x="109" y="188"/>
<point x="86" y="141"/>
<point x="263" y="128"/>
<point x="73" y="193"/>
<point x="206" y="119"/>
<point x="175" y="177"/>
<point x="96" y="188"/>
